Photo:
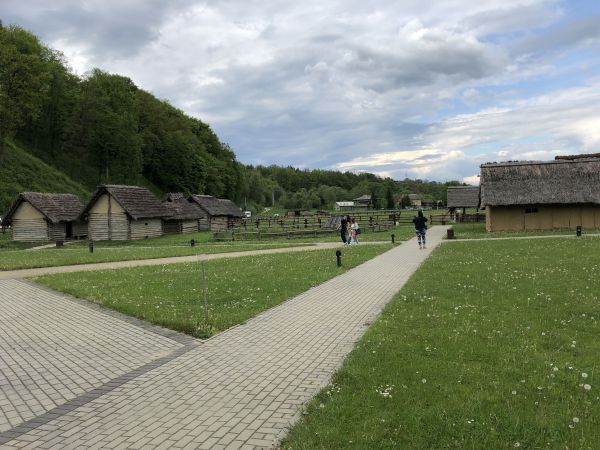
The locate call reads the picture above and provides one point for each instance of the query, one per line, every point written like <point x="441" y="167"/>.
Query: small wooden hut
<point x="542" y="195"/>
<point x="415" y="200"/>
<point x="463" y="197"/>
<point x="37" y="216"/>
<point x="183" y="215"/>
<point x="364" y="201"/>
<point x="122" y="213"/>
<point x="221" y="214"/>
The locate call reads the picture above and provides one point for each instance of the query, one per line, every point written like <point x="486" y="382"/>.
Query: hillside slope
<point x="20" y="171"/>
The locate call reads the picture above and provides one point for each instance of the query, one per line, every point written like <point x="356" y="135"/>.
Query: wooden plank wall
<point x="57" y="231"/>
<point x="189" y="226"/>
<point x="145" y="228"/>
<point x="204" y="224"/>
<point x="30" y="230"/>
<point x="98" y="227"/>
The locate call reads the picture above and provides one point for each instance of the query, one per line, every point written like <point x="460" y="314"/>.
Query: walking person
<point x="350" y="234"/>
<point x="343" y="227"/>
<point x="420" y="228"/>
<point x="354" y="231"/>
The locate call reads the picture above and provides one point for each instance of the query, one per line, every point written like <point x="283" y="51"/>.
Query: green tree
<point x="105" y="127"/>
<point x="24" y="79"/>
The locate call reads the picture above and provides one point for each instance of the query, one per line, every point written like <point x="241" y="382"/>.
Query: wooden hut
<point x="364" y="201"/>
<point x="37" y="216"/>
<point x="542" y="195"/>
<point x="221" y="214"/>
<point x="123" y="212"/>
<point x="463" y="197"/>
<point x="415" y="200"/>
<point x="183" y="216"/>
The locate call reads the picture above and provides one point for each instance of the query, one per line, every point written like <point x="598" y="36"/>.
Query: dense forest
<point x="102" y="128"/>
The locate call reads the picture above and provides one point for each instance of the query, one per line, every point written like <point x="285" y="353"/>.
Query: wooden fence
<point x="448" y="218"/>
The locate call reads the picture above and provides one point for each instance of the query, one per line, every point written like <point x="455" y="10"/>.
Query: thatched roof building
<point x="182" y="216"/>
<point x="463" y="197"/>
<point x="118" y="212"/>
<point x="541" y="182"/>
<point x="564" y="193"/>
<point x="38" y="216"/>
<point x="220" y="213"/>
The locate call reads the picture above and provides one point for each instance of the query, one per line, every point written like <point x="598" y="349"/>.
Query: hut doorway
<point x="69" y="230"/>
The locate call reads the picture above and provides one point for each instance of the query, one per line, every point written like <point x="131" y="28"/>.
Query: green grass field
<point x="238" y="288"/>
<point x="12" y="255"/>
<point x="108" y="251"/>
<point x="491" y="344"/>
<point x="477" y="231"/>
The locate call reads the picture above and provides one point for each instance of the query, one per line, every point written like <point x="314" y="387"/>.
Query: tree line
<point x="102" y="128"/>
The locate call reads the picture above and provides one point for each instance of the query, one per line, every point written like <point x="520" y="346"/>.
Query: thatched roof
<point x="179" y="208"/>
<point x="217" y="206"/>
<point x="138" y="202"/>
<point x="54" y="207"/>
<point x="172" y="196"/>
<point x="572" y="157"/>
<point x="363" y="199"/>
<point x="413" y="197"/>
<point x="463" y="196"/>
<point x="541" y="182"/>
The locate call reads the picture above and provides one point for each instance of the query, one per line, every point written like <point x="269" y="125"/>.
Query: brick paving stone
<point x="286" y="355"/>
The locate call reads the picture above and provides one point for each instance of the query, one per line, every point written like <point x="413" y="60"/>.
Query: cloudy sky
<point x="400" y="88"/>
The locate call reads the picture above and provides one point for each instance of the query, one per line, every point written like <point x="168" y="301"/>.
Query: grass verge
<point x="238" y="288"/>
<point x="491" y="344"/>
<point x="477" y="231"/>
<point x="109" y="251"/>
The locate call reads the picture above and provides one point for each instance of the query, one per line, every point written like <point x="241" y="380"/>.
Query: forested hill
<point x="102" y="128"/>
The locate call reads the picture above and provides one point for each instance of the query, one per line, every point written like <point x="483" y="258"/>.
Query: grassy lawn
<point x="159" y="247"/>
<point x="6" y="243"/>
<point x="238" y="288"/>
<point x="491" y="344"/>
<point x="107" y="251"/>
<point x="477" y="231"/>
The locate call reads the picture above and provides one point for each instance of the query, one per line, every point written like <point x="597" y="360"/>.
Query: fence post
<point x="204" y="287"/>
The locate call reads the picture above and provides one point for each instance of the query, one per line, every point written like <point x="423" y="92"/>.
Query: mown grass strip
<point x="238" y="288"/>
<point x="50" y="257"/>
<point x="160" y="247"/>
<point x="491" y="344"/>
<point x="477" y="231"/>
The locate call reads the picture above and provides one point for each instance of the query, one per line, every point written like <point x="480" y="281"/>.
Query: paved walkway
<point x="76" y="376"/>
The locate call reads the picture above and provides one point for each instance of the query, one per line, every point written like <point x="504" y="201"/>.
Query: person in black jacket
<point x="420" y="228"/>
<point x="343" y="227"/>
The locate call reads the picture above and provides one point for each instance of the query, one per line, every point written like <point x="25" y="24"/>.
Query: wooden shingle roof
<point x="217" y="206"/>
<point x="138" y="202"/>
<point x="54" y="207"/>
<point x="463" y="197"/>
<point x="574" y="181"/>
<point x="179" y="208"/>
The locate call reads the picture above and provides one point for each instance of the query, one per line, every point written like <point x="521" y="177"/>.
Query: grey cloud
<point x="578" y="31"/>
<point x="109" y="28"/>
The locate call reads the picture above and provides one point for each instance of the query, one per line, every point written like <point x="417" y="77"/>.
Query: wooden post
<point x="109" y="218"/>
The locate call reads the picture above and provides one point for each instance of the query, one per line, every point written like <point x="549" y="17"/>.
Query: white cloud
<point x="389" y="87"/>
<point x="473" y="180"/>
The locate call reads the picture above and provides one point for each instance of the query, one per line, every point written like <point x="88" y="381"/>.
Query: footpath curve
<point x="93" y="380"/>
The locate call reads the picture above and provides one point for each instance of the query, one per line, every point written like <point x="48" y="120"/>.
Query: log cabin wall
<point x="28" y="224"/>
<point x="107" y="220"/>
<point x="145" y="228"/>
<point x="189" y="226"/>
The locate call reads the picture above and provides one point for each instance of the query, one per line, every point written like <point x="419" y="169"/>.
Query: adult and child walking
<point x="349" y="230"/>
